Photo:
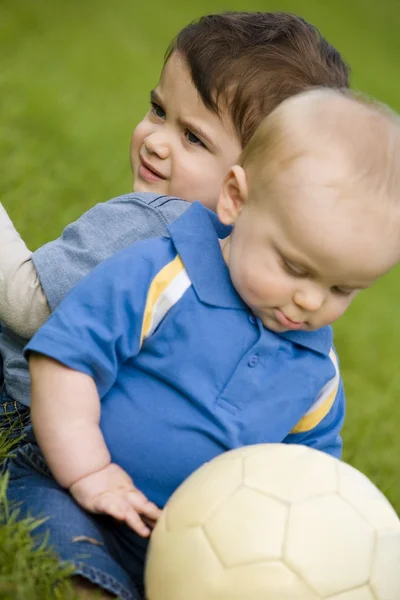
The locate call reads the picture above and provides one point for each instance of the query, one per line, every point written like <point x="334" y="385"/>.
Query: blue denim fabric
<point x="14" y="416"/>
<point x="103" y="551"/>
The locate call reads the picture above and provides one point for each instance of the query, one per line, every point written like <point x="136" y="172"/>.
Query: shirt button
<point x="253" y="360"/>
<point x="252" y="319"/>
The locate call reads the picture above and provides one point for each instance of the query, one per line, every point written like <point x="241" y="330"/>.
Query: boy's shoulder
<point x="168" y="208"/>
<point x="128" y="218"/>
<point x="99" y="233"/>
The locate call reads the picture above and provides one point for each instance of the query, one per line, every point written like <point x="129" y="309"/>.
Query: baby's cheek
<point x="334" y="312"/>
<point x="258" y="291"/>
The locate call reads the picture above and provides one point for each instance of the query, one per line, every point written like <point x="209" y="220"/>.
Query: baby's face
<point x="181" y="148"/>
<point x="299" y="257"/>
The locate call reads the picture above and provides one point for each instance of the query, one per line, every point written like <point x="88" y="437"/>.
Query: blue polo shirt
<point x="183" y="368"/>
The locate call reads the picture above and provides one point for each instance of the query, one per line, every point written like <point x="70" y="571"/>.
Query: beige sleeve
<point x="23" y="304"/>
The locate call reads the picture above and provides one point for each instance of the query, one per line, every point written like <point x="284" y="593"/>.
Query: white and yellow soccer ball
<point x="275" y="522"/>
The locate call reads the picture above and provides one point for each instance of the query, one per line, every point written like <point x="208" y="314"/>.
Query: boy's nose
<point x="309" y="300"/>
<point x="155" y="144"/>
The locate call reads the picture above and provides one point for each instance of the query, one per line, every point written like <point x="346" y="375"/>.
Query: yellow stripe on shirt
<point x="323" y="403"/>
<point x="165" y="290"/>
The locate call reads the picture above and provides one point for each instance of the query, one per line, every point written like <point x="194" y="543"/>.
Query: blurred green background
<point x="75" y="79"/>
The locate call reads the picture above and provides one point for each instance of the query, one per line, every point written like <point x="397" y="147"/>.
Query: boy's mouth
<point x="149" y="173"/>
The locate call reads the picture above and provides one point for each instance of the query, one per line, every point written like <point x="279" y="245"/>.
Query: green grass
<point x="75" y="78"/>
<point x="27" y="573"/>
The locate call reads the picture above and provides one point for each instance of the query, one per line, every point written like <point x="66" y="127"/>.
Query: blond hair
<point x="363" y="134"/>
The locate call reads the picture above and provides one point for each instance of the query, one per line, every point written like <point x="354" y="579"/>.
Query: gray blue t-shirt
<point x="99" y="233"/>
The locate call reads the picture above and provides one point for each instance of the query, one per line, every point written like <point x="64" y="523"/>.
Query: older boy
<point x="180" y="348"/>
<point x="221" y="76"/>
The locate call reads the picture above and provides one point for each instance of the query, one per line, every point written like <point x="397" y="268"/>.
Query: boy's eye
<point x="157" y="110"/>
<point x="193" y="139"/>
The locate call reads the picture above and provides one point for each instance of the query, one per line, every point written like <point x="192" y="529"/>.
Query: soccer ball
<point x="275" y="522"/>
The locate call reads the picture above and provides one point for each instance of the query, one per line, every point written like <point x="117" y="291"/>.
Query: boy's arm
<point x="23" y="304"/>
<point x="320" y="428"/>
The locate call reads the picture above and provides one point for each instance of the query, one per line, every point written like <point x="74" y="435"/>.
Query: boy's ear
<point x="233" y="195"/>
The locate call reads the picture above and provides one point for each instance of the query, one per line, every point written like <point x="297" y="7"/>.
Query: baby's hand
<point x="111" y="491"/>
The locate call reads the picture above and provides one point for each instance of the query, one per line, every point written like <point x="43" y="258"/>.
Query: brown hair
<point x="250" y="62"/>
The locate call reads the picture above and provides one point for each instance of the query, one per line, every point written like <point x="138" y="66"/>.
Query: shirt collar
<point x="195" y="235"/>
<point x="320" y="340"/>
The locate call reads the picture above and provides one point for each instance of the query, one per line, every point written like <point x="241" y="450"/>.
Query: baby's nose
<point x="309" y="300"/>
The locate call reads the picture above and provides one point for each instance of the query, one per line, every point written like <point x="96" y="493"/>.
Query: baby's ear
<point x="233" y="195"/>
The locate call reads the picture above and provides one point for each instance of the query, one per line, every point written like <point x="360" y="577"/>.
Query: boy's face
<point x="300" y="257"/>
<point x="181" y="148"/>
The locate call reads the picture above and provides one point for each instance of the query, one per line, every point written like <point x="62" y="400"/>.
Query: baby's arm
<point x="75" y="360"/>
<point x="65" y="416"/>
<point x="23" y="304"/>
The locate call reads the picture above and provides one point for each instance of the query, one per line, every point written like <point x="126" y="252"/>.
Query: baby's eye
<point x="341" y="291"/>
<point x="294" y="269"/>
<point x="193" y="139"/>
<point x="157" y="110"/>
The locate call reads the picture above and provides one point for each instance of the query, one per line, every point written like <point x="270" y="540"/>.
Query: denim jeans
<point x="102" y="550"/>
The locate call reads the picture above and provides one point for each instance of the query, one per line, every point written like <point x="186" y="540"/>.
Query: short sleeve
<point x="98" y="326"/>
<point x="320" y="427"/>
<point x="101" y="232"/>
